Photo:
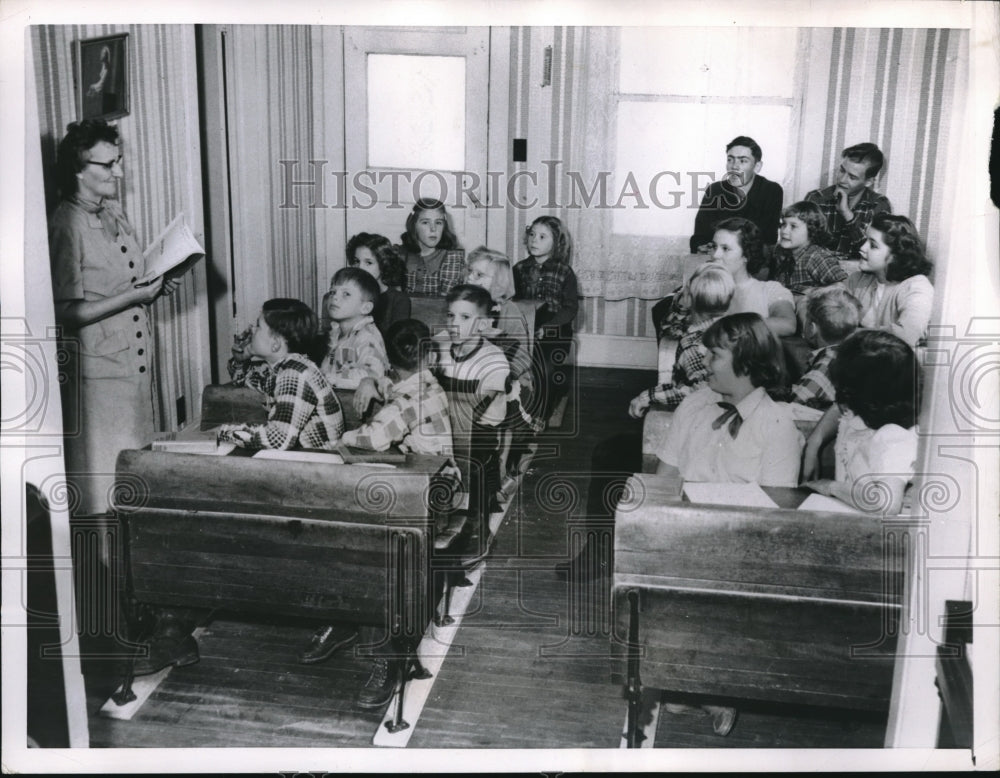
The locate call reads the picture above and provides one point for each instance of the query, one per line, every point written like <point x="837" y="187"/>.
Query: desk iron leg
<point x="634" y="686"/>
<point x="398" y="723"/>
<point x="442" y="618"/>
<point x="125" y="695"/>
<point x="400" y="660"/>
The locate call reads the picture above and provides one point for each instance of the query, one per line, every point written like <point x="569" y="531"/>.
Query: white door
<point x="417" y="104"/>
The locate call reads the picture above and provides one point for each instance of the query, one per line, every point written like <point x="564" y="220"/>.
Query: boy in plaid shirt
<point x="415" y="414"/>
<point x="356" y="349"/>
<point x="851" y="203"/>
<point x="710" y="290"/>
<point x="303" y="409"/>
<point x="831" y="316"/>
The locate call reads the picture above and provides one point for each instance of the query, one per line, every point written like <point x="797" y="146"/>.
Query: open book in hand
<point x="171" y="253"/>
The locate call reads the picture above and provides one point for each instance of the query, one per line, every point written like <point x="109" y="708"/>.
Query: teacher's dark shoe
<point x="326" y="641"/>
<point x="166" y="651"/>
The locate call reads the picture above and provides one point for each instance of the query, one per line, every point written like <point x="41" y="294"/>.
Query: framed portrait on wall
<point x="102" y="77"/>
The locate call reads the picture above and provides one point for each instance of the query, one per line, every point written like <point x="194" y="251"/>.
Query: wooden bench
<point x="232" y="403"/>
<point x="778" y="605"/>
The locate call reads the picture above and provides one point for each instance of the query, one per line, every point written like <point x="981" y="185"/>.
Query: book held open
<point x="172" y="252"/>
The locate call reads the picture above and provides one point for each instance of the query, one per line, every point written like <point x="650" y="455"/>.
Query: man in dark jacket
<point x="743" y="192"/>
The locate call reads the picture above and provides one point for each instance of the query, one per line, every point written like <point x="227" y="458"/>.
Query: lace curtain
<point x="614" y="267"/>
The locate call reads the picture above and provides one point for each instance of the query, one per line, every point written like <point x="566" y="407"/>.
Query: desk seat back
<point x="234" y="404"/>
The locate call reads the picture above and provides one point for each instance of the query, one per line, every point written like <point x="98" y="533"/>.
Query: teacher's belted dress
<point x="105" y="366"/>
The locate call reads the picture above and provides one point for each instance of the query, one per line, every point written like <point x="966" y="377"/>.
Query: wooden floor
<point x="529" y="667"/>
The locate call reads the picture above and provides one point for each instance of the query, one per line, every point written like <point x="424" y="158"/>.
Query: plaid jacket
<point x="690" y="370"/>
<point x="814" y="388"/>
<point x="415" y="416"/>
<point x="811" y="267"/>
<point x="304" y="411"/>
<point x="354" y="355"/>
<point x="554" y="284"/>
<point x="674" y="324"/>
<point x="439" y="283"/>
<point x="847" y="237"/>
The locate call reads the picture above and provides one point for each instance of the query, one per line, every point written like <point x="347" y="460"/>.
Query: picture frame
<point x="102" y="89"/>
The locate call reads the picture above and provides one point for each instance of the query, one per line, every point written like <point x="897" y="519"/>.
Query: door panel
<point x="416" y="126"/>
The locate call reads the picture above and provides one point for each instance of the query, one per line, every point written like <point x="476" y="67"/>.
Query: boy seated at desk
<point x="732" y="431"/>
<point x="356" y="349"/>
<point x="474" y="374"/>
<point x="832" y="315"/>
<point x="415" y="413"/>
<point x="414" y="417"/>
<point x="710" y="291"/>
<point x="303" y="410"/>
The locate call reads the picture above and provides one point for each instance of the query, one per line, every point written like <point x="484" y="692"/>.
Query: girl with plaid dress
<point x="546" y="276"/>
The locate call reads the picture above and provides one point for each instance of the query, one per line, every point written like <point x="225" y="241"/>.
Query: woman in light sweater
<point x="892" y="285"/>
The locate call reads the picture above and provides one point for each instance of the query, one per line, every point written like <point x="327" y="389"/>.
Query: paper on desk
<point x="744" y="495"/>
<point x="820" y="502"/>
<point x="300" y="456"/>
<point x="802" y="412"/>
<point x="191" y="439"/>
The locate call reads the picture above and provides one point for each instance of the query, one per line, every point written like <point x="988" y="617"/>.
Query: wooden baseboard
<point x="636" y="353"/>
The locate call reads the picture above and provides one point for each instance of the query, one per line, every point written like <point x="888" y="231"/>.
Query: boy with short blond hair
<point x="710" y="290"/>
<point x="832" y="314"/>
<point x="474" y="374"/>
<point x="356" y="349"/>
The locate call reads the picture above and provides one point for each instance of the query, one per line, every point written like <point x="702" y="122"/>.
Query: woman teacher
<point x="96" y="264"/>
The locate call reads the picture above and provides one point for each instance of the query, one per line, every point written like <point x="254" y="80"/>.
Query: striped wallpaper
<point x="898" y="88"/>
<point x="902" y="89"/>
<point x="271" y="117"/>
<point x="162" y="162"/>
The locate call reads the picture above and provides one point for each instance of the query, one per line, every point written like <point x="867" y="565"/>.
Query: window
<point x="416" y="112"/>
<point x="682" y="96"/>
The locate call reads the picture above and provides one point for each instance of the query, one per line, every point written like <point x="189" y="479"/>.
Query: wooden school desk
<point x="330" y="542"/>
<point x="769" y="604"/>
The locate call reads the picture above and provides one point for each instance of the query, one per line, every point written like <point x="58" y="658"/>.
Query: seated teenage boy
<point x="850" y="204"/>
<point x="743" y="192"/>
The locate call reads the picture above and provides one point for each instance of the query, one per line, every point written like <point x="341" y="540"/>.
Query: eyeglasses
<point x="105" y="165"/>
